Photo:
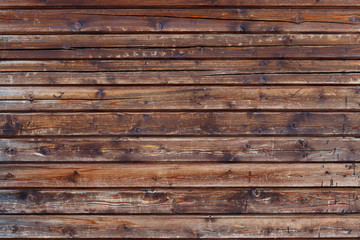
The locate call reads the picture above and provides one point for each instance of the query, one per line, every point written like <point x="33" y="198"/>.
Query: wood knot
<point x="261" y="96"/>
<point x="263" y="79"/>
<point x="9" y="175"/>
<point x="302" y="142"/>
<point x="10" y="151"/>
<point x="354" y="19"/>
<point x="45" y="151"/>
<point x="68" y="231"/>
<point x="31" y="98"/>
<point x="12" y="127"/>
<point x="267" y="231"/>
<point x="14" y="229"/>
<point x="298" y="20"/>
<point x="322" y="97"/>
<point x="77" y="26"/>
<point x="255" y="193"/>
<point x="100" y="93"/>
<point x="73" y="178"/>
<point x="294" y="125"/>
<point x="210" y="219"/>
<point x="159" y="26"/>
<point x="59" y="96"/>
<point x="290" y="39"/>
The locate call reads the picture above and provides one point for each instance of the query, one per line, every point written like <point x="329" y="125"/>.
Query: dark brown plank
<point x="180" y="123"/>
<point x="322" y="52"/>
<point x="180" y="150"/>
<point x="180" y="201"/>
<point x="217" y="67"/>
<point x="178" y="3"/>
<point x="173" y="78"/>
<point x="172" y="40"/>
<point x="191" y="226"/>
<point x="180" y="20"/>
<point x="180" y="175"/>
<point x="178" y="98"/>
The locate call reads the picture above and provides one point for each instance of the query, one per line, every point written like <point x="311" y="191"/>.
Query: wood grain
<point x="174" y="78"/>
<point x="180" y="119"/>
<point x="178" y="98"/>
<point x="191" y="226"/>
<point x="216" y="67"/>
<point x="194" y="149"/>
<point x="180" y="175"/>
<point x="178" y="3"/>
<point x="323" y="52"/>
<point x="180" y="201"/>
<point x="180" y="123"/>
<point x="179" y="21"/>
<point x="21" y="42"/>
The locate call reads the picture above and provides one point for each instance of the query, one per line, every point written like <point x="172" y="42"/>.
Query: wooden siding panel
<point x="180" y="175"/>
<point x="175" y="78"/>
<point x="179" y="21"/>
<point x="178" y="3"/>
<point x="179" y="119"/>
<point x="180" y="123"/>
<point x="204" y="226"/>
<point x="22" y="42"/>
<point x="181" y="201"/>
<point x="194" y="149"/>
<point x="179" y="98"/>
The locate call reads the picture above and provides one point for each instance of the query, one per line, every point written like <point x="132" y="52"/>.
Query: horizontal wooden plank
<point x="147" y="149"/>
<point x="180" y="226"/>
<point x="178" y="3"/>
<point x="180" y="201"/>
<point x="297" y="52"/>
<point x="173" y="78"/>
<point x="180" y="175"/>
<point x="217" y="67"/>
<point x="180" y="20"/>
<point x="178" y="98"/>
<point x="172" y="40"/>
<point x="180" y="123"/>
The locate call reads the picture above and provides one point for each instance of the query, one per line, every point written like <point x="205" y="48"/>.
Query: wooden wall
<point x="180" y="119"/>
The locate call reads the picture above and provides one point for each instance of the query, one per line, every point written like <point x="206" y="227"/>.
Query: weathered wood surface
<point x="174" y="78"/>
<point x="298" y="52"/>
<point x="179" y="98"/>
<point x="180" y="20"/>
<point x="213" y="66"/>
<point x="180" y="175"/>
<point x="180" y="119"/>
<point x="180" y="201"/>
<point x="172" y="40"/>
<point x="180" y="123"/>
<point x="148" y="149"/>
<point x="178" y="3"/>
<point x="203" y="226"/>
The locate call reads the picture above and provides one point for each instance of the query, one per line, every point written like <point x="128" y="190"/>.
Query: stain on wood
<point x="174" y="78"/>
<point x="70" y="42"/>
<point x="212" y="66"/>
<point x="180" y="21"/>
<point x="181" y="123"/>
<point x="181" y="201"/>
<point x="179" y="98"/>
<point x="190" y="226"/>
<point x="180" y="175"/>
<point x="179" y="119"/>
<point x="192" y="149"/>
